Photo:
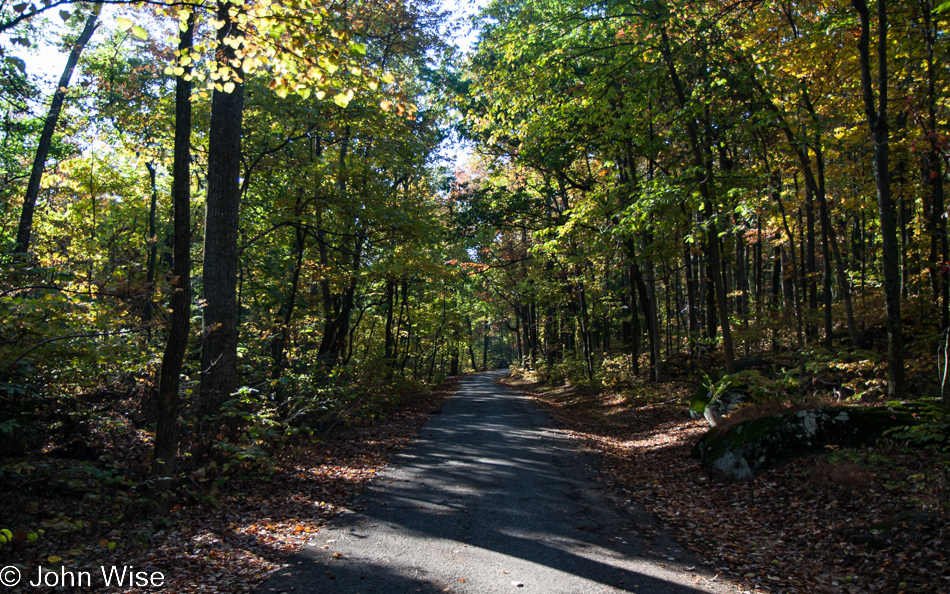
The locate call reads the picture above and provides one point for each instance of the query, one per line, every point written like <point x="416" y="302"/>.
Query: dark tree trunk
<point x="454" y="368"/>
<point x="166" y="432"/>
<point x="25" y="229"/>
<point x="219" y="279"/>
<point x="152" y="240"/>
<point x="647" y="302"/>
<point x="830" y="238"/>
<point x="826" y="270"/>
<point x="811" y="263"/>
<point x="390" y="314"/>
<point x="704" y="177"/>
<point x="471" y="342"/>
<point x="877" y="122"/>
<point x="933" y="177"/>
<point x="691" y="305"/>
<point x="286" y="313"/>
<point x="758" y="274"/>
<point x="585" y="329"/>
<point x="634" y="315"/>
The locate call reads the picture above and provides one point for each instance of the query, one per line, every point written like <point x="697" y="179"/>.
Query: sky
<point x="48" y="62"/>
<point x="454" y="150"/>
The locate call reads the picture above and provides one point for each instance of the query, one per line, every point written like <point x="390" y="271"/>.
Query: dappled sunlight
<point x="487" y="498"/>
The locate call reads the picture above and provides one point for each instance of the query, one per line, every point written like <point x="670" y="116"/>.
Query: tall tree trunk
<point x="390" y="339"/>
<point x="877" y="122"/>
<point x="811" y="263"/>
<point x="25" y="229"/>
<point x="704" y="177"/>
<point x="691" y="305"/>
<point x="830" y="238"/>
<point x="817" y="188"/>
<point x="585" y="328"/>
<point x="934" y="179"/>
<point x="286" y="313"/>
<point x="471" y="341"/>
<point x="799" y="316"/>
<point x="648" y="303"/>
<point x="826" y="294"/>
<point x="166" y="432"/>
<point x="219" y="278"/>
<point x="634" y="315"/>
<point x="151" y="240"/>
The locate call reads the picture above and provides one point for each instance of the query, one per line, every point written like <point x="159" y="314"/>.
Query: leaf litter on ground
<point x="227" y="543"/>
<point x="861" y="520"/>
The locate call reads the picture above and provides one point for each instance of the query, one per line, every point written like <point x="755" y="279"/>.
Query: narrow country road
<point x="489" y="499"/>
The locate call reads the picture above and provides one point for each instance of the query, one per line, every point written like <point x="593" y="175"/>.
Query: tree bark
<point x="704" y="179"/>
<point x="219" y="278"/>
<point x="286" y="313"/>
<point x="877" y="122"/>
<point x="933" y="172"/>
<point x="25" y="228"/>
<point x="151" y="240"/>
<point x="166" y="432"/>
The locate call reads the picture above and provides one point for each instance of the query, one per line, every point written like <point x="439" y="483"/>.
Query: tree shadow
<point x="487" y="498"/>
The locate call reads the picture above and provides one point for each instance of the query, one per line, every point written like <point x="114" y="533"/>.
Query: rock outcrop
<point x="741" y="452"/>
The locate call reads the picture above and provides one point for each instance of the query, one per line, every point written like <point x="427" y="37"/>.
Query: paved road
<point x="489" y="499"/>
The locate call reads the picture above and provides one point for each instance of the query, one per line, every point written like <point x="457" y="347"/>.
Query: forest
<point x="230" y="231"/>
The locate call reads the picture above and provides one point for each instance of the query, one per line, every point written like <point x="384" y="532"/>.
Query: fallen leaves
<point x="228" y="545"/>
<point x="870" y="520"/>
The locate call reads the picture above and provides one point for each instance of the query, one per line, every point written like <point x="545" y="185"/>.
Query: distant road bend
<point x="489" y="499"/>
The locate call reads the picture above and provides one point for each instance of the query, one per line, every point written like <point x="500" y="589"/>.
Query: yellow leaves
<point x="325" y="63"/>
<point x="124" y="24"/>
<point x="183" y="16"/>
<point x="229" y="87"/>
<point x="385" y="105"/>
<point x="388" y="78"/>
<point x="343" y="98"/>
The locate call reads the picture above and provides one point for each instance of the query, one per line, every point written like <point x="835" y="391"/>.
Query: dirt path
<point x="490" y="499"/>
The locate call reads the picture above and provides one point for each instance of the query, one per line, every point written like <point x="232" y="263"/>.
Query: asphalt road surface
<point x="490" y="499"/>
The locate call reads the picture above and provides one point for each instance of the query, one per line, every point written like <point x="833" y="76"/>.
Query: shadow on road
<point x="489" y="498"/>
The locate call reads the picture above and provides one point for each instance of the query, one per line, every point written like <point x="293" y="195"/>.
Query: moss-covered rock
<point x="743" y="451"/>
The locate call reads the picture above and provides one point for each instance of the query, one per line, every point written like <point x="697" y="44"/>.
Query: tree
<point x="25" y="228"/>
<point x="877" y="119"/>
<point x="167" y="409"/>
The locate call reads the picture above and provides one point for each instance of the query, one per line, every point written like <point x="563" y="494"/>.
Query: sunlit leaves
<point x="343" y="98"/>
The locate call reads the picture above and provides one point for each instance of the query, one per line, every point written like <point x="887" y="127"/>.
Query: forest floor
<point x="867" y="520"/>
<point x="73" y="514"/>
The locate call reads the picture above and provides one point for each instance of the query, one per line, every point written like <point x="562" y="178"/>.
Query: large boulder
<point x="739" y="453"/>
